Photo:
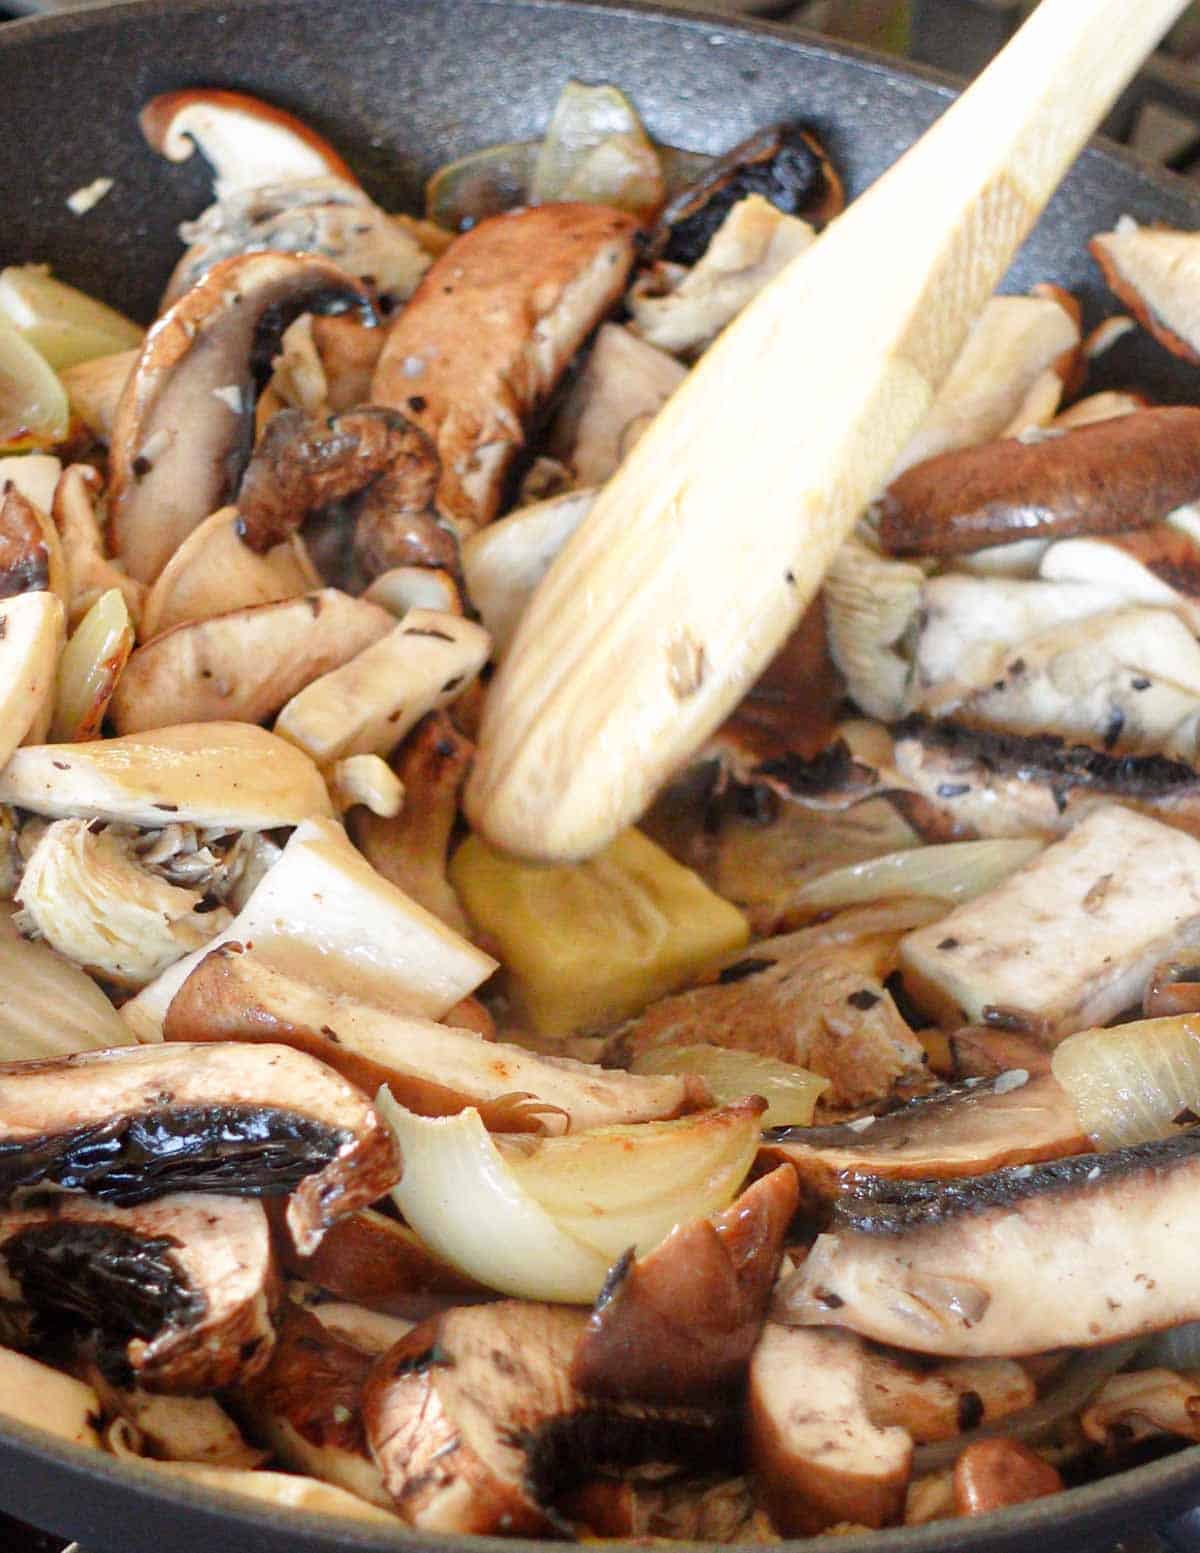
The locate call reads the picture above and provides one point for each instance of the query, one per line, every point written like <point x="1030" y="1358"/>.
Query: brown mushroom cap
<point x="1153" y="271"/>
<point x="371" y="1256"/>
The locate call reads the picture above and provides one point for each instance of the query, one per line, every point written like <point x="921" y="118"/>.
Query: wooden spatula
<point x="715" y="533"/>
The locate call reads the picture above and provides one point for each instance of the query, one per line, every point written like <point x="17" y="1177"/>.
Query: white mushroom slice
<point x="35" y="475"/>
<point x="369" y="781"/>
<point x="816" y="1457"/>
<point x="503" y="563"/>
<point x="937" y="1404"/>
<point x="1020" y="559"/>
<point x="284" y="1490"/>
<point x="178" y="1428"/>
<point x="1104" y="406"/>
<point x="1155" y="272"/>
<point x="228" y="775"/>
<point x="1155" y="566"/>
<point x="1039" y="406"/>
<point x="871" y="607"/>
<point x="371" y="702"/>
<point x="89" y="571"/>
<point x="372" y="1331"/>
<point x="1013" y="342"/>
<point x="1136" y="1407"/>
<point x="162" y="484"/>
<point x="415" y="587"/>
<point x="94" y="390"/>
<point x="31" y="632"/>
<point x="625" y="383"/>
<point x="85" y="892"/>
<point x="682" y="311"/>
<point x="489" y="332"/>
<point x="1069" y="940"/>
<point x="45" y="1398"/>
<point x="245" y="665"/>
<point x="245" y="141"/>
<point x="323" y="915"/>
<point x="214" y="572"/>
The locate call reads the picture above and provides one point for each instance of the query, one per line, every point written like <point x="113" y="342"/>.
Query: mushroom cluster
<point x="821" y="1153"/>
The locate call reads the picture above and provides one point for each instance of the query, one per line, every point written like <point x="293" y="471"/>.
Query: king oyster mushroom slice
<point x="180" y="1291"/>
<point x="623" y="386"/>
<point x="1126" y="894"/>
<point x="196" y="370"/>
<point x="365" y="781"/>
<point x="368" y="704"/>
<point x="683" y="310"/>
<point x="245" y="665"/>
<point x="433" y="1069"/>
<point x="489" y="332"/>
<point x="31" y="638"/>
<point x="1074" y="1253"/>
<point x="1117" y="474"/>
<point x="679" y="1324"/>
<point x="966" y="1128"/>
<point x="323" y="915"/>
<point x="476" y="1427"/>
<point x="35" y="1394"/>
<point x="89" y="571"/>
<point x="1153" y="271"/>
<point x="86" y="892"/>
<point x="220" y="776"/>
<point x="137" y="1122"/>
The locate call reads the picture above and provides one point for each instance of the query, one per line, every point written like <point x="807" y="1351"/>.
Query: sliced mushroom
<point x="685" y="1509"/>
<point x="992" y="1474"/>
<point x="1129" y="1408"/>
<point x="35" y="475"/>
<point x="85" y="892"/>
<point x="1099" y="479"/>
<point x="433" y="1069"/>
<point x="368" y="704"/>
<point x="367" y="781"/>
<point x="623" y="386"/>
<point x="135" y="1123"/>
<point x="94" y="389"/>
<point x="940" y="1402"/>
<point x="402" y="588"/>
<point x="31" y="555"/>
<point x="1073" y="1253"/>
<point x="348" y="349"/>
<point x="89" y="571"/>
<point x="683" y="310"/>
<point x="1154" y="566"/>
<point x="372" y="1331"/>
<point x="177" y="1428"/>
<point x="35" y="1394"/>
<point x="679" y="1324"/>
<point x="196" y="370"/>
<point x="282" y="1490"/>
<point x="370" y="1256"/>
<point x="1103" y="406"/>
<point x="179" y="1291"/>
<point x="31" y="634"/>
<point x="1153" y="271"/>
<point x="816" y="1457"/>
<point x="245" y="665"/>
<point x="488" y="334"/>
<point x="872" y="606"/>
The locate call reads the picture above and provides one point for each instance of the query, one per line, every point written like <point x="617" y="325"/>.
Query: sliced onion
<point x="48" y="1006"/>
<point x="33" y="403"/>
<point x="616" y="1187"/>
<point x="1132" y="1083"/>
<point x="91" y="665"/>
<point x="63" y="324"/>
<point x="468" y="1207"/>
<point x="595" y="149"/>
<point x="958" y="871"/>
<point x="791" y="1092"/>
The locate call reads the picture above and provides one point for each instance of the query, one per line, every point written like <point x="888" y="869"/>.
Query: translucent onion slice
<point x="958" y="871"/>
<point x="1134" y="1083"/>
<point x="595" y="149"/>
<point x="468" y="1207"/>
<point x="33" y="403"/>
<point x="791" y="1092"/>
<point x="616" y="1187"/>
<point x="48" y="1006"/>
<point x="90" y="667"/>
<point x="63" y="324"/>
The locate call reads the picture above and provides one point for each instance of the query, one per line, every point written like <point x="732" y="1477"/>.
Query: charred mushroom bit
<point x="820" y="1155"/>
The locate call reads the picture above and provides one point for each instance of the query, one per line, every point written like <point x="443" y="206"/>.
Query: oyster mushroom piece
<point x="683" y="311"/>
<point x="220" y="775"/>
<point x="679" y="1324"/>
<point x="872" y="605"/>
<point x="180" y="1291"/>
<point x="195" y="370"/>
<point x="245" y="665"/>
<point x="31" y="636"/>
<point x="45" y="1398"/>
<point x="1125" y="892"/>
<point x="89" y="571"/>
<point x="367" y="705"/>
<point x="137" y="1122"/>
<point x="1157" y="566"/>
<point x="1128" y="472"/>
<point x="1153" y="270"/>
<point x="1074" y="1253"/>
<point x="816" y="1456"/>
<point x="623" y="386"/>
<point x="176" y="1428"/>
<point x="85" y="892"/>
<point x="489" y="332"/>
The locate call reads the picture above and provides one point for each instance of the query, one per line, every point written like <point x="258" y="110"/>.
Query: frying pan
<point x="400" y="86"/>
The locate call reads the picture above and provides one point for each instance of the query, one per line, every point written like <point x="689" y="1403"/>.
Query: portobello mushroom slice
<point x="1113" y="475"/>
<point x="679" y="1324"/>
<point x="966" y="1128"/>
<point x="196" y="369"/>
<point x="1073" y="1253"/>
<point x="180" y="1292"/>
<point x="489" y="332"/>
<point x="476" y="1427"/>
<point x="138" y="1122"/>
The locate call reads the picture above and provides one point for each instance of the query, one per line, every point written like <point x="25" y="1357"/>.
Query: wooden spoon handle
<point x="703" y="550"/>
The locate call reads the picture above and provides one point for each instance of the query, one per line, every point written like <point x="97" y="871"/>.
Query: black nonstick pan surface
<point x="400" y="86"/>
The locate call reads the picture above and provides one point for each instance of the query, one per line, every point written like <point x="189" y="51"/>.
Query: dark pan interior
<point x="399" y="86"/>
